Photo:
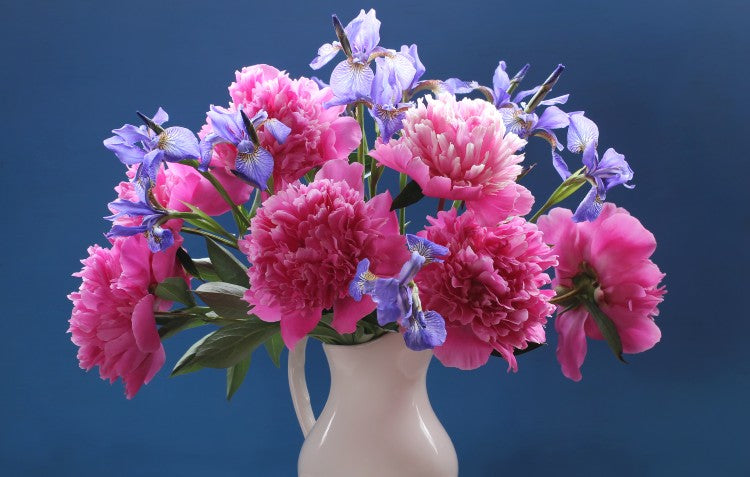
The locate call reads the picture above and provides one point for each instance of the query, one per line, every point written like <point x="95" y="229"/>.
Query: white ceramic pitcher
<point x="378" y="420"/>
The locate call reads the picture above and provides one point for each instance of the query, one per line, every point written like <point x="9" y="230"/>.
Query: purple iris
<point x="159" y="239"/>
<point x="352" y="78"/>
<point x="426" y="330"/>
<point x="394" y="75"/>
<point x="431" y="251"/>
<point x="253" y="163"/>
<point x="612" y="170"/>
<point x="397" y="299"/>
<point x="151" y="144"/>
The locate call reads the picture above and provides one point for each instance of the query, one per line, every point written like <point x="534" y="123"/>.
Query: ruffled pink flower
<point x="113" y="311"/>
<point x="617" y="248"/>
<point x="317" y="134"/>
<point x="459" y="150"/>
<point x="304" y="246"/>
<point x="488" y="288"/>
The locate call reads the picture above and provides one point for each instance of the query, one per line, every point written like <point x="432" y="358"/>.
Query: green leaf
<point x="187" y="363"/>
<point x="606" y="326"/>
<point x="274" y="346"/>
<point x="567" y="188"/>
<point x="231" y="344"/>
<point x="227" y="266"/>
<point x="235" y="376"/>
<point x="206" y="269"/>
<point x="177" y="324"/>
<point x="411" y="194"/>
<point x="175" y="289"/>
<point x="225" y="299"/>
<point x="187" y="263"/>
<point x="204" y="220"/>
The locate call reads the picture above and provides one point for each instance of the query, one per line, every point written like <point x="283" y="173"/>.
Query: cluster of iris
<point x="150" y="144"/>
<point x="387" y="93"/>
<point x="397" y="299"/>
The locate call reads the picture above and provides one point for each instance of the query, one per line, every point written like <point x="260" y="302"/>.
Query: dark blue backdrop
<point x="666" y="82"/>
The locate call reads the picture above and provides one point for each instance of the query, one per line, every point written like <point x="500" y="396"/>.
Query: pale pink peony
<point x="178" y="183"/>
<point x="304" y="246"/>
<point x="488" y="288"/>
<point x="617" y="248"/>
<point x="113" y="311"/>
<point x="459" y="150"/>
<point x="317" y="134"/>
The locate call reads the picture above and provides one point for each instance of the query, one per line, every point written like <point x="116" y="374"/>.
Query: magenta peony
<point x="304" y="246"/>
<point x="488" y="288"/>
<point x="179" y="183"/>
<point x="317" y="134"/>
<point x="616" y="249"/>
<point x="459" y="150"/>
<point x="113" y="311"/>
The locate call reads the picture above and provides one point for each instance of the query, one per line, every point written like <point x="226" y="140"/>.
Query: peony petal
<point x="571" y="342"/>
<point x="144" y="325"/>
<point x="462" y="349"/>
<point x="347" y="312"/>
<point x="341" y="170"/>
<point x="294" y="327"/>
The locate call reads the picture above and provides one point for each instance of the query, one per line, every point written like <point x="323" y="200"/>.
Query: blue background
<point x="666" y="81"/>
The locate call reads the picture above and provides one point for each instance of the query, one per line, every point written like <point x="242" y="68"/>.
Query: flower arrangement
<point x="323" y="249"/>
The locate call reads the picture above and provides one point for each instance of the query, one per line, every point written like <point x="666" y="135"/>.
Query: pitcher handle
<point x="298" y="387"/>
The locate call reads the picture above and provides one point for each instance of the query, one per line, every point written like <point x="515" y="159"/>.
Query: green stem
<point x="361" y="120"/>
<point x="402" y="211"/>
<point x="239" y="217"/>
<point x="569" y="294"/>
<point x="256" y="203"/>
<point x="563" y="191"/>
<point x="203" y="233"/>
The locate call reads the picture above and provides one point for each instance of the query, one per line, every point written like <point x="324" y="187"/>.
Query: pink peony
<point x="317" y="134"/>
<point x="304" y="246"/>
<point x="488" y="288"/>
<point x="616" y="247"/>
<point x="179" y="183"/>
<point x="459" y="150"/>
<point x="113" y="311"/>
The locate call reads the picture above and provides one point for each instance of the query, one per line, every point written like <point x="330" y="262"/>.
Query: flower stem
<point x="402" y="211"/>
<point x="204" y="233"/>
<point x="563" y="191"/>
<point x="441" y="205"/>
<point x="361" y="120"/>
<point x="239" y="217"/>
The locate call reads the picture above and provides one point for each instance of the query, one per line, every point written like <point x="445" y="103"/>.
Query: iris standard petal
<point x="226" y="124"/>
<point x="581" y="132"/>
<point x="325" y="54"/>
<point x="278" y="130"/>
<point x="410" y="269"/>
<point x="207" y="148"/>
<point x="560" y="165"/>
<point x="413" y="56"/>
<point x="500" y="79"/>
<point x="160" y="117"/>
